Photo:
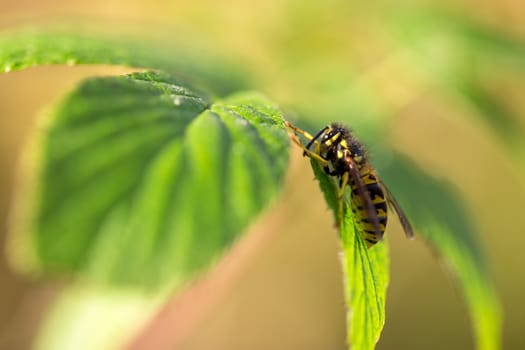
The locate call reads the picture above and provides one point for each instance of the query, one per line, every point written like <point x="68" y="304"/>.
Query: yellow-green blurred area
<point x="454" y="107"/>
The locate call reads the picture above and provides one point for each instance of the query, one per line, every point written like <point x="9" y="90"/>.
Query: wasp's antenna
<point x="316" y="137"/>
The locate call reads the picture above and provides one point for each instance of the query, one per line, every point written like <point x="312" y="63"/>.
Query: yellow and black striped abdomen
<point x="364" y="219"/>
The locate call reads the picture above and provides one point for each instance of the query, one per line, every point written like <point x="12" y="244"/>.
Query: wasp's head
<point x="332" y="135"/>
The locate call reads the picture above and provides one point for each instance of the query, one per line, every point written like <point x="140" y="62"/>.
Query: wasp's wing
<point x="400" y="214"/>
<point x="368" y="205"/>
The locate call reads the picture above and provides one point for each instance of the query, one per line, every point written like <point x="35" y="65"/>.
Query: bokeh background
<point x="323" y="61"/>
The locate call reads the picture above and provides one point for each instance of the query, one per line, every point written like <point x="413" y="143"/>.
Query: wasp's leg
<point x="306" y="135"/>
<point x="316" y="156"/>
<point x="340" y="195"/>
<point x="344" y="183"/>
<point x="296" y="130"/>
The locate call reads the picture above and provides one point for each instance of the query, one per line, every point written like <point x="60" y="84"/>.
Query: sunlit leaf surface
<point x="365" y="275"/>
<point x="144" y="181"/>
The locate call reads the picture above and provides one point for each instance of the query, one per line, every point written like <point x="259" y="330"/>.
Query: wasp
<point x="343" y="157"/>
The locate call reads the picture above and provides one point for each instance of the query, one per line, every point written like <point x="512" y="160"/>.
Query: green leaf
<point x="365" y="274"/>
<point x="442" y="221"/>
<point x="144" y="182"/>
<point x="25" y="49"/>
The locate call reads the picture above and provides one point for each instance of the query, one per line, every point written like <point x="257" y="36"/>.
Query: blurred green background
<point x="446" y="96"/>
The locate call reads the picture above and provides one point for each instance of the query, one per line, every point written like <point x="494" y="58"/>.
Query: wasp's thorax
<point x="336" y="143"/>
